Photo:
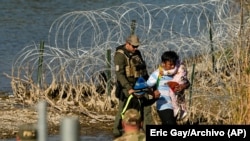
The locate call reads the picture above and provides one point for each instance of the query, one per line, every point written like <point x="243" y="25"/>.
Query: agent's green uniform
<point x="128" y="66"/>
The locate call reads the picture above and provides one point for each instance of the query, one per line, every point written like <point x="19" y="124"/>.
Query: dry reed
<point x="74" y="60"/>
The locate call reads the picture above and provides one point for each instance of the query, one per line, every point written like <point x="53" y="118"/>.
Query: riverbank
<point x="13" y="114"/>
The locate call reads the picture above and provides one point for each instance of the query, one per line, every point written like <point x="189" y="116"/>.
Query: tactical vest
<point x="135" y="66"/>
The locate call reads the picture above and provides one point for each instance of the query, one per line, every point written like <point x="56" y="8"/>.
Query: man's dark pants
<point x="117" y="128"/>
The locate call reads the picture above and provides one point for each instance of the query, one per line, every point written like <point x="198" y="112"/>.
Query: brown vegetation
<point x="15" y="113"/>
<point x="219" y="93"/>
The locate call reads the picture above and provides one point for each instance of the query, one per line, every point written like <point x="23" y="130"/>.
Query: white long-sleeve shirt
<point x="164" y="101"/>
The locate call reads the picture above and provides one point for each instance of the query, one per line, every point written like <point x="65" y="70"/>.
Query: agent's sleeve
<point x="120" y="62"/>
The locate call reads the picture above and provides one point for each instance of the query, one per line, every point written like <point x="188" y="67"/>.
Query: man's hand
<point x="131" y="91"/>
<point x="181" y="87"/>
<point x="156" y="94"/>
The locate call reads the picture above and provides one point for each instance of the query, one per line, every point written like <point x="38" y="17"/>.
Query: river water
<point x="24" y="22"/>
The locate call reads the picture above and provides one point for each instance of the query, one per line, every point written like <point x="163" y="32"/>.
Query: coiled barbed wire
<point x="78" y="40"/>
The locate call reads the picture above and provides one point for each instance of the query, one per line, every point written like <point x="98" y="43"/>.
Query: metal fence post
<point x="70" y="129"/>
<point x="191" y="86"/>
<point x="42" y="121"/>
<point x="40" y="64"/>
<point x="108" y="72"/>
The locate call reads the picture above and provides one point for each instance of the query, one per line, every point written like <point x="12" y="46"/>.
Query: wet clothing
<point x="128" y="67"/>
<point x="164" y="103"/>
<point x="179" y="74"/>
<point x="167" y="117"/>
<point x="133" y="136"/>
<point x="179" y="97"/>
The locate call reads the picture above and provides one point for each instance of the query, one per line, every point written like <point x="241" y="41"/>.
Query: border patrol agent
<point x="129" y="66"/>
<point x="131" y="125"/>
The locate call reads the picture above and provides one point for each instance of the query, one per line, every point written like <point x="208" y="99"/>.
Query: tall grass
<point x="74" y="61"/>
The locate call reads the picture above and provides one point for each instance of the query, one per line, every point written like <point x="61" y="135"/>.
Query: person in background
<point x="131" y="124"/>
<point x="27" y="132"/>
<point x="129" y="66"/>
<point x="166" y="103"/>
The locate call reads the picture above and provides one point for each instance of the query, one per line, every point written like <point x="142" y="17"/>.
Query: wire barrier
<point x="78" y="40"/>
